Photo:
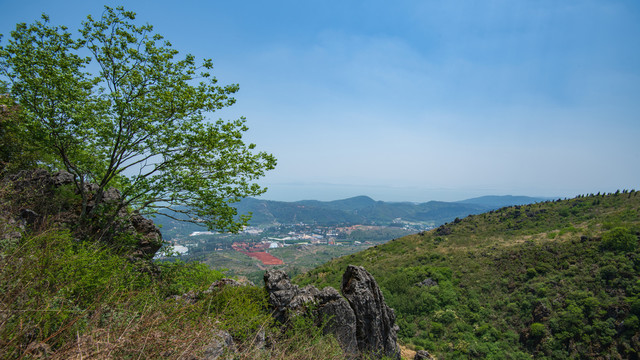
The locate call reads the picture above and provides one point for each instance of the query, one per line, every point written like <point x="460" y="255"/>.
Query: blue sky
<point x="416" y="100"/>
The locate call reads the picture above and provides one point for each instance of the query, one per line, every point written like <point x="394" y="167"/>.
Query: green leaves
<point x="136" y="121"/>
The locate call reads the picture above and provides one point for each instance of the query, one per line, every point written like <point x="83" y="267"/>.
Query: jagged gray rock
<point x="339" y="317"/>
<point x="61" y="178"/>
<point x="222" y="347"/>
<point x="422" y="355"/>
<point x="362" y="324"/>
<point x="150" y="238"/>
<point x="376" y="331"/>
<point x="45" y="179"/>
<point x="328" y="307"/>
<point x="427" y="282"/>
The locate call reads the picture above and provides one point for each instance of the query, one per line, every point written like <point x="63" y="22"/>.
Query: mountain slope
<point x="352" y="211"/>
<point x="548" y="280"/>
<point x="364" y="210"/>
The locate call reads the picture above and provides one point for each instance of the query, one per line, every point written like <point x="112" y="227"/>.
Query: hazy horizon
<point x="331" y="192"/>
<point x="415" y="101"/>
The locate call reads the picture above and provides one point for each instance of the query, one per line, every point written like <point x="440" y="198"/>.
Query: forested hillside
<point x="550" y="280"/>
<point x="364" y="210"/>
<point x="352" y="211"/>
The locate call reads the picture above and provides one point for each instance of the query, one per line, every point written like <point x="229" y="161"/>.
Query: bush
<point x="179" y="277"/>
<point x="241" y="310"/>
<point x="619" y="239"/>
<point x="538" y="330"/>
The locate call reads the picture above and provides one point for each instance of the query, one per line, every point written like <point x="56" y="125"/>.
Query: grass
<point x="61" y="299"/>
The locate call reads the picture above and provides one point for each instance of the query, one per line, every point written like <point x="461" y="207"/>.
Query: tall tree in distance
<point x="119" y="109"/>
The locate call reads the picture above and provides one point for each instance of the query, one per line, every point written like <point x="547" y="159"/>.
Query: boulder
<point x="429" y="282"/>
<point x="61" y="178"/>
<point x="221" y="347"/>
<point x="376" y="331"/>
<point x="338" y="318"/>
<point x="422" y="355"/>
<point x="150" y="238"/>
<point x="362" y="323"/>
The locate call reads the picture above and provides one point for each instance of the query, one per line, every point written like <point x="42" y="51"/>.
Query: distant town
<point x="256" y="242"/>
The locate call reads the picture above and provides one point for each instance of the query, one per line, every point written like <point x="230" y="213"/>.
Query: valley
<point x="298" y="236"/>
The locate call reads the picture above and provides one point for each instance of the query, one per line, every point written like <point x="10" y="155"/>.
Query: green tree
<point x="12" y="143"/>
<point x="119" y="109"/>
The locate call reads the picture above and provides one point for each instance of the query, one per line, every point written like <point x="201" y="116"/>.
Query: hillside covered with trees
<point x="551" y="280"/>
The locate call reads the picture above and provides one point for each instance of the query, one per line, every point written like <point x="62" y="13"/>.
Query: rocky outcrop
<point x="326" y="306"/>
<point x="362" y="323"/>
<point x="32" y="197"/>
<point x="376" y="331"/>
<point x="339" y="318"/>
<point x="26" y="179"/>
<point x="149" y="236"/>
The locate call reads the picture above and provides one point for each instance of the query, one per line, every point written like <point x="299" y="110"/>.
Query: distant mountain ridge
<point x="358" y="210"/>
<point x="365" y="210"/>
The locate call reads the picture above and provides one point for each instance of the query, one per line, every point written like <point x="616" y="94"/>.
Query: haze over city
<point x="411" y="100"/>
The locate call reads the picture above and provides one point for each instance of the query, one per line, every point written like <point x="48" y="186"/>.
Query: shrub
<point x="632" y="323"/>
<point x="179" y="277"/>
<point x="619" y="239"/>
<point x="240" y="310"/>
<point x="531" y="273"/>
<point x="538" y="330"/>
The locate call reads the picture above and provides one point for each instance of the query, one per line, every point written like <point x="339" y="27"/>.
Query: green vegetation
<point x="364" y="210"/>
<point x="551" y="280"/>
<point x="136" y="124"/>
<point x="16" y="152"/>
<point x="62" y="299"/>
